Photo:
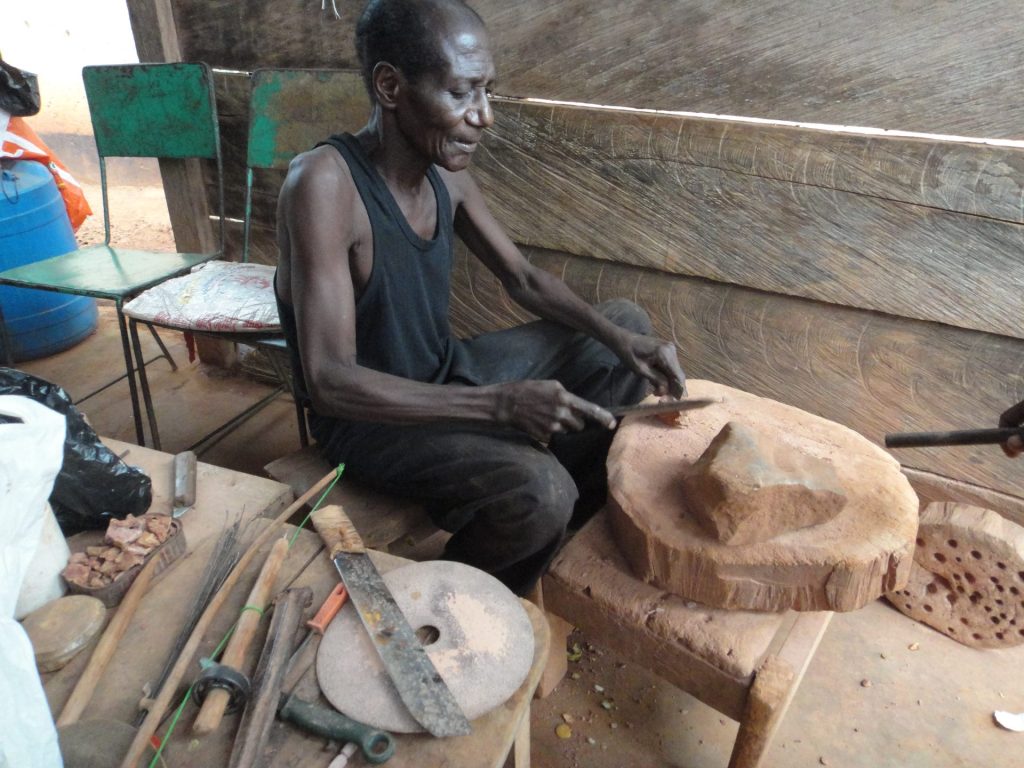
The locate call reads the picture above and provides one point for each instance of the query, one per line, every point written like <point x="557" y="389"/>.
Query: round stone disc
<point x="63" y="627"/>
<point x="483" y="650"/>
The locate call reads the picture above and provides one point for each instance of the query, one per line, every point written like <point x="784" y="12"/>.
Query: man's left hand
<point x="656" y="361"/>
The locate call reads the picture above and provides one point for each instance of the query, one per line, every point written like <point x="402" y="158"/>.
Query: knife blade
<point x="669" y="406"/>
<point x="419" y="685"/>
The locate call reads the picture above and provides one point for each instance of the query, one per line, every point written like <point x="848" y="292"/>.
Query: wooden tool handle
<point x="217" y="700"/>
<point x="185" y="479"/>
<point x="337" y="531"/>
<point x="170" y="686"/>
<point x="108" y="643"/>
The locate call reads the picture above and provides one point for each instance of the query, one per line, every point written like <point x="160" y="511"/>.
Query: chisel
<point x="419" y="685"/>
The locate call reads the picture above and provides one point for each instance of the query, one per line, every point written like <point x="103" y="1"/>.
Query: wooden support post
<point x="763" y="712"/>
<point x="558" y="663"/>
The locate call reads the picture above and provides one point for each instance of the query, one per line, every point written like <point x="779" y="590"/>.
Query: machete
<point x="419" y="685"/>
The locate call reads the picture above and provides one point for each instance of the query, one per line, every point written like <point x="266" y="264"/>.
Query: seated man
<point x="499" y="435"/>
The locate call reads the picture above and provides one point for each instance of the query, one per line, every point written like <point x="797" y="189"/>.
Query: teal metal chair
<point x="290" y="110"/>
<point x="137" y="110"/>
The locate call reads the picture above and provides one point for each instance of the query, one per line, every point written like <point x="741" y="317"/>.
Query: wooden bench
<point x="747" y="665"/>
<point x="382" y="520"/>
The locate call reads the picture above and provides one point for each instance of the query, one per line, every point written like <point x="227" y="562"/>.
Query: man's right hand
<point x="543" y="409"/>
<point x="1013" y="417"/>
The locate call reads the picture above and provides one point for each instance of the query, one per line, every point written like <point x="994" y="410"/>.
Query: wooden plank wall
<point x="939" y="67"/>
<point x="875" y="280"/>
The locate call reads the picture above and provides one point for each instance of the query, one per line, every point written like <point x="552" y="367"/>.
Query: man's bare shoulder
<point x="320" y="171"/>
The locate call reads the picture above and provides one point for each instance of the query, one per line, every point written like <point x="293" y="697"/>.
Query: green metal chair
<point x="137" y="110"/>
<point x="290" y="110"/>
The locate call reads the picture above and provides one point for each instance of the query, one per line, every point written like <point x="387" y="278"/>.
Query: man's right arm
<point x="317" y="212"/>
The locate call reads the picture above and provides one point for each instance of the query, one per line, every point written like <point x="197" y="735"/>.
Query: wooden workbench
<point x="222" y="496"/>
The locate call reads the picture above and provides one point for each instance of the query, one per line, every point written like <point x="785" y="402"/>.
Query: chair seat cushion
<point x="591" y="586"/>
<point x="219" y="296"/>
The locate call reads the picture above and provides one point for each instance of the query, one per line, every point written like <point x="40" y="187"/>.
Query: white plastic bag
<point x="31" y="454"/>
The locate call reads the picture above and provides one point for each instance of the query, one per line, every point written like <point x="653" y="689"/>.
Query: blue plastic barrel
<point x="34" y="226"/>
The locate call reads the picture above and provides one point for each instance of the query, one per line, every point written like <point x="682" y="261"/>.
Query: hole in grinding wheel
<point x="427" y="635"/>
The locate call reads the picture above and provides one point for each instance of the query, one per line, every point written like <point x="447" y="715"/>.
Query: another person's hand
<point x="657" y="361"/>
<point x="1013" y="417"/>
<point x="543" y="409"/>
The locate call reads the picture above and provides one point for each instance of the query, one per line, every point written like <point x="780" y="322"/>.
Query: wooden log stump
<point x="967" y="580"/>
<point x="841" y="565"/>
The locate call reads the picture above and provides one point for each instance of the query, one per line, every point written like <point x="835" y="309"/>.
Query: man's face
<point x="446" y="112"/>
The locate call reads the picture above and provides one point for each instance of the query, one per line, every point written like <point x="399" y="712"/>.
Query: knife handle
<point x="337" y="531"/>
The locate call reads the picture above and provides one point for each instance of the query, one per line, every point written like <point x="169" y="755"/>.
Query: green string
<point x="337" y="476"/>
<point x="220" y="646"/>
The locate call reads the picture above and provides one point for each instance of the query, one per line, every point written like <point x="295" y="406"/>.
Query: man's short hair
<point x="404" y="34"/>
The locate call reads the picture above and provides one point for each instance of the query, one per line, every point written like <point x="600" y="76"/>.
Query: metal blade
<point x="420" y="686"/>
<point x="669" y="406"/>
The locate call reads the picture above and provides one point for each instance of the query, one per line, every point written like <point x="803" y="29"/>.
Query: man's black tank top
<point x="402" y="314"/>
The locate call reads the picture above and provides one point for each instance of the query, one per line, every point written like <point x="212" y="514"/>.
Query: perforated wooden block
<point x="967" y="580"/>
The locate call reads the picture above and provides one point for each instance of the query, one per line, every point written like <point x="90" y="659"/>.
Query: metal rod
<point x="960" y="437"/>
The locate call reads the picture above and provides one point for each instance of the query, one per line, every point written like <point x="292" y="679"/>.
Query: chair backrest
<point x="154" y="110"/>
<point x="290" y="110"/>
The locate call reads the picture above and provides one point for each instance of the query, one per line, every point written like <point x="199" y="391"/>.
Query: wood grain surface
<point x="914" y="65"/>
<point x="689" y="198"/>
<point x="873" y="373"/>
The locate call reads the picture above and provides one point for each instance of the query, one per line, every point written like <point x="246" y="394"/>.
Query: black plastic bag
<point x="19" y="91"/>
<point x="93" y="484"/>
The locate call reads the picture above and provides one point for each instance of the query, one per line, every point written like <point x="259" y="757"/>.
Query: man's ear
<point x="387" y="81"/>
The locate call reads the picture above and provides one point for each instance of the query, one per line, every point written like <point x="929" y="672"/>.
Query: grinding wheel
<point x="62" y="628"/>
<point x="483" y="650"/>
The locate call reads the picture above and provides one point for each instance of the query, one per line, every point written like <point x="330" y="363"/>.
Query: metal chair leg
<point x="147" y="398"/>
<point x="300" y="411"/>
<point x="163" y="349"/>
<point x="5" y="342"/>
<point x="129" y="367"/>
